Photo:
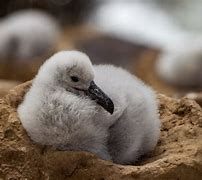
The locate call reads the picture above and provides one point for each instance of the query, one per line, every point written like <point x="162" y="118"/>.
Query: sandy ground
<point x="177" y="156"/>
<point x="6" y="85"/>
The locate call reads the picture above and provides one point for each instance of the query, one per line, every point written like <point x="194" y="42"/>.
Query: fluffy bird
<point x="26" y="34"/>
<point x="73" y="105"/>
<point x="181" y="65"/>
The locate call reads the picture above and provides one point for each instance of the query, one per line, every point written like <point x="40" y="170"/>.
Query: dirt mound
<point x="177" y="156"/>
<point x="5" y="86"/>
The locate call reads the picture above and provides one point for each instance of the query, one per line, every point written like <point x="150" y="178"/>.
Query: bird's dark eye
<point x="74" y="79"/>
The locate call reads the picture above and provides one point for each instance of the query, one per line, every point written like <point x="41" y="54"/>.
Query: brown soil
<point x="196" y="97"/>
<point x="22" y="70"/>
<point x="177" y="156"/>
<point x="5" y="86"/>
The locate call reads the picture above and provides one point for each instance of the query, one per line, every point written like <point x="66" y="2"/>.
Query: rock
<point x="177" y="156"/>
<point x="5" y="86"/>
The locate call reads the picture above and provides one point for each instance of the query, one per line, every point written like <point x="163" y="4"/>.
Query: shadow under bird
<point x="102" y="109"/>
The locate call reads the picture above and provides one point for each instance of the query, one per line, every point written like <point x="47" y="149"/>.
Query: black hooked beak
<point x="95" y="93"/>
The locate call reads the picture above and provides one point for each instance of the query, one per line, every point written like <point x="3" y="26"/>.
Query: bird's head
<point x="73" y="71"/>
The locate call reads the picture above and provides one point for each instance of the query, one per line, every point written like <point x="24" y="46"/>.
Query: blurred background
<point x="160" y="41"/>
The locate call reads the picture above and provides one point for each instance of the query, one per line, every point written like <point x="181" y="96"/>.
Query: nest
<point x="178" y="154"/>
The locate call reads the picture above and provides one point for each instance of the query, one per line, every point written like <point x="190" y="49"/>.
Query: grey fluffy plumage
<point x="27" y="34"/>
<point x="181" y="65"/>
<point x="54" y="113"/>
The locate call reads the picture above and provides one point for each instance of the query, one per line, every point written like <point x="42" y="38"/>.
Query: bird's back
<point x="120" y="84"/>
<point x="136" y="131"/>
